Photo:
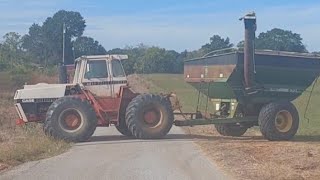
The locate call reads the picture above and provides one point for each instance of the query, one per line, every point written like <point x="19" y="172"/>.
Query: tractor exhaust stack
<point x="249" y="50"/>
<point x="63" y="77"/>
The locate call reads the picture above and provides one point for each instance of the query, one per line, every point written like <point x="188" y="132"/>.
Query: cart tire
<point x="149" y="116"/>
<point x="279" y="121"/>
<point x="70" y="119"/>
<point x="230" y="129"/>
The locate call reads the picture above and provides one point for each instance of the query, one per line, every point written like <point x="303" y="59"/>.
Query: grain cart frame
<point x="98" y="96"/>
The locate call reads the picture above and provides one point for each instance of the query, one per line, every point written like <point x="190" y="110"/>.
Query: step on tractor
<point x="246" y="87"/>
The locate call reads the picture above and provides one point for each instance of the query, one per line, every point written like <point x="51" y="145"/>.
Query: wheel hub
<point x="70" y="119"/>
<point x="151" y="117"/>
<point x="283" y="121"/>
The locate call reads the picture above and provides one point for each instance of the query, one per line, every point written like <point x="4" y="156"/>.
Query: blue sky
<point x="177" y="25"/>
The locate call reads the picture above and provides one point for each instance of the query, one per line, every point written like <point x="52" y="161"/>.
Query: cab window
<point x="96" y="69"/>
<point x="117" y="70"/>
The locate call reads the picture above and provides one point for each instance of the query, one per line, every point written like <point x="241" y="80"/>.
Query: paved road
<point x="110" y="156"/>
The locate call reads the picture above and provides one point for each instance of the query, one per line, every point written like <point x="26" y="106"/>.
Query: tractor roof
<point x="108" y="57"/>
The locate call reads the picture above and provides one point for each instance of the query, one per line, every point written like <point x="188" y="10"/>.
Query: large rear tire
<point x="70" y="119"/>
<point x="230" y="129"/>
<point x="122" y="127"/>
<point x="149" y="116"/>
<point x="279" y="121"/>
<point x="124" y="130"/>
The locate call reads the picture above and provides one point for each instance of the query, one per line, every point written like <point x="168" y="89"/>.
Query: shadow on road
<point x="117" y="139"/>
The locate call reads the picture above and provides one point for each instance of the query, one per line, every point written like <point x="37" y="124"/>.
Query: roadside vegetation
<point x="251" y="156"/>
<point x="25" y="143"/>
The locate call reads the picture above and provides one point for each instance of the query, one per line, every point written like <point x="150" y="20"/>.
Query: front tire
<point x="70" y="119"/>
<point x="279" y="121"/>
<point x="149" y="116"/>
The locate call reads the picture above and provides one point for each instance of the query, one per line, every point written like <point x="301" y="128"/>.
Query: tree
<point x="216" y="43"/>
<point x="158" y="60"/>
<point x="87" y="46"/>
<point x="281" y="40"/>
<point x="44" y="43"/>
<point x="53" y="31"/>
<point x="36" y="45"/>
<point x="135" y="54"/>
<point x="145" y="59"/>
<point x="12" y="40"/>
<point x="240" y="44"/>
<point x="11" y="49"/>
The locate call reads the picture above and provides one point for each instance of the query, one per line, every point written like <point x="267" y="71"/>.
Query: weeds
<point x="27" y="143"/>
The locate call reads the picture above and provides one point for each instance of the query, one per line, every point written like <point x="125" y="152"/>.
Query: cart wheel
<point x="234" y="130"/>
<point x="279" y="121"/>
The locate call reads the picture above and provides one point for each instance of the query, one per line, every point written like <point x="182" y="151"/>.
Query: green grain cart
<point x="252" y="87"/>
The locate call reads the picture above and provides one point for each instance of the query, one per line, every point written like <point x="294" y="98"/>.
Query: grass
<point x="27" y="143"/>
<point x="309" y="118"/>
<point x="251" y="156"/>
<point x="188" y="96"/>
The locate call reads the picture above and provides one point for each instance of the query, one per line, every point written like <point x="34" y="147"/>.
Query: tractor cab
<point x="102" y="75"/>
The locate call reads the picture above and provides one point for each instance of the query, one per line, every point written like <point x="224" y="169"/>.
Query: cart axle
<point x="194" y="122"/>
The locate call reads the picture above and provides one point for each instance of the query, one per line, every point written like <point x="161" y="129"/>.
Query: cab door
<point x="118" y="76"/>
<point x="97" y="78"/>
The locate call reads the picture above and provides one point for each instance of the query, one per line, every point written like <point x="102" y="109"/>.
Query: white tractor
<point x="98" y="96"/>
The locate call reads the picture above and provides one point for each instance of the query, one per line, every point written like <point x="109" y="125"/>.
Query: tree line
<point x="42" y="46"/>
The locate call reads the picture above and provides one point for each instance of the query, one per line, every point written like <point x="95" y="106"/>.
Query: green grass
<point x="310" y="123"/>
<point x="188" y="98"/>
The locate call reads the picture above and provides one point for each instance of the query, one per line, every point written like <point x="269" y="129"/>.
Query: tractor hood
<point x="41" y="91"/>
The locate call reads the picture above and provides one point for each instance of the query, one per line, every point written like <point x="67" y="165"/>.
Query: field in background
<point x="28" y="143"/>
<point x="251" y="156"/>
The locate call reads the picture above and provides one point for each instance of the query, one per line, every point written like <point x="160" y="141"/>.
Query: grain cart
<point x="252" y="87"/>
<point x="98" y="96"/>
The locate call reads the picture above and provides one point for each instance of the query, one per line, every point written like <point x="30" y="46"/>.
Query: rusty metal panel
<point x="213" y="68"/>
<point x="199" y="73"/>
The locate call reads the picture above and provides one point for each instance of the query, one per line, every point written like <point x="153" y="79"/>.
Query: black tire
<point x="56" y="124"/>
<point x="122" y="127"/>
<point x="230" y="129"/>
<point x="271" y="129"/>
<point x="143" y="127"/>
